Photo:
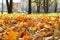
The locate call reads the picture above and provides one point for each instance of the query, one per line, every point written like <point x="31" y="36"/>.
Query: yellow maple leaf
<point x="52" y="18"/>
<point x="1" y="21"/>
<point x="11" y="35"/>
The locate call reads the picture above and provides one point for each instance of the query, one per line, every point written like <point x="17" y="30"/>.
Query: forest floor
<point x="19" y="22"/>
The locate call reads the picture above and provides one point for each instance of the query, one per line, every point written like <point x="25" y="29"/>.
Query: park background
<point x="37" y="6"/>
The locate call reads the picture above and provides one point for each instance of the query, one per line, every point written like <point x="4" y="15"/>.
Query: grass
<point x="39" y="14"/>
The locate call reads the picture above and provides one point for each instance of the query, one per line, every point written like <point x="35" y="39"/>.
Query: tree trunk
<point x="46" y="6"/>
<point x="2" y="7"/>
<point x="29" y="9"/>
<point x="55" y="5"/>
<point x="38" y="6"/>
<point x="9" y="6"/>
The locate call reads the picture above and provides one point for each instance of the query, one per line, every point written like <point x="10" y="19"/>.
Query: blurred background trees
<point x="31" y="6"/>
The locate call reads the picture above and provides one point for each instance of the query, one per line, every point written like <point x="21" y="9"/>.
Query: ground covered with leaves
<point x="29" y="27"/>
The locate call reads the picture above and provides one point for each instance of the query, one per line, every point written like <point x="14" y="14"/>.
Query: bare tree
<point x="9" y="6"/>
<point x="38" y="6"/>
<point x="46" y="6"/>
<point x="55" y="5"/>
<point x="2" y="7"/>
<point x="29" y="9"/>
